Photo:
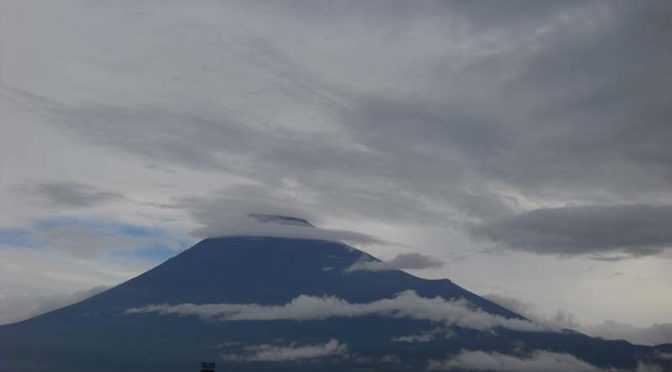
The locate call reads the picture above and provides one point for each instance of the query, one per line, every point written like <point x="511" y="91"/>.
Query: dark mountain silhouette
<point x="100" y="334"/>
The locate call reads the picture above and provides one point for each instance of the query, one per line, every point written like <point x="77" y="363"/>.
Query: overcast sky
<point x="526" y="144"/>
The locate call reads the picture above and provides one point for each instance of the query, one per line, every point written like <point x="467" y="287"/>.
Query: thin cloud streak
<point x="656" y="334"/>
<point x="404" y="261"/>
<point x="288" y="353"/>
<point x="19" y="307"/>
<point x="492" y="361"/>
<point x="73" y="194"/>
<point x="635" y="230"/>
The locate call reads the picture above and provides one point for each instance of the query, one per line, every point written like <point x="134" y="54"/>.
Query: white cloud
<point x="288" y="353"/>
<point x="223" y="215"/>
<point x="91" y="241"/>
<point x="664" y="356"/>
<point x="642" y="367"/>
<point x="422" y="337"/>
<point x="35" y="280"/>
<point x="656" y="334"/>
<point x="405" y="305"/>
<point x="403" y="261"/>
<point x="20" y="307"/>
<point x="426" y="336"/>
<point x="537" y="361"/>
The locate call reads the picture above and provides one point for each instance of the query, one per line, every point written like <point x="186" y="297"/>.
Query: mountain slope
<point x="100" y="332"/>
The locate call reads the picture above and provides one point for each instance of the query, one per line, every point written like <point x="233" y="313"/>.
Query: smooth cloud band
<point x="405" y="305"/>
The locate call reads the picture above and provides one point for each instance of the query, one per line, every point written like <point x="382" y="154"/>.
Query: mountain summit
<point x="266" y="303"/>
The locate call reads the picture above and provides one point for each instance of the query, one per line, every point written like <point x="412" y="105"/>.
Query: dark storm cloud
<point x="636" y="230"/>
<point x="71" y="194"/>
<point x="437" y="113"/>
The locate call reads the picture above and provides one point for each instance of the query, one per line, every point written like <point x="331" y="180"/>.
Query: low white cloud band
<point x="405" y="305"/>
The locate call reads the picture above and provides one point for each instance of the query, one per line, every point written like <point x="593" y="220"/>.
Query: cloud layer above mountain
<point x="437" y="113"/>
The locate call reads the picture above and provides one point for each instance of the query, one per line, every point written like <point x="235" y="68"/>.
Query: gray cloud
<point x="656" y="334"/>
<point x="525" y="309"/>
<point x="528" y="105"/>
<point x="236" y="211"/>
<point x="20" y="307"/>
<point x="91" y="241"/>
<point x="636" y="230"/>
<point x="288" y="353"/>
<point x="405" y="305"/>
<point x="537" y="361"/>
<point x="517" y="105"/>
<point x="405" y="261"/>
<point x="72" y="194"/>
<point x="643" y="367"/>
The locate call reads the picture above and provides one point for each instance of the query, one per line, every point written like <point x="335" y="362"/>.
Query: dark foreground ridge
<point x="99" y="334"/>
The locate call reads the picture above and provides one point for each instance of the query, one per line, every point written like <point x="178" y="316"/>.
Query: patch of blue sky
<point x="156" y="253"/>
<point x="99" y="226"/>
<point x="33" y="236"/>
<point x="17" y="237"/>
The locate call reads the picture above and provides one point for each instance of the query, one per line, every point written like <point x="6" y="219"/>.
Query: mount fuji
<point x="259" y="303"/>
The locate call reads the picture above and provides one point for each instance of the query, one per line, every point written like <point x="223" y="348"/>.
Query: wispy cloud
<point x="18" y="307"/>
<point x="224" y="215"/>
<point x="302" y="308"/>
<point x="656" y="334"/>
<point x="37" y="280"/>
<point x="71" y="194"/>
<point x="292" y="352"/>
<point x="91" y="237"/>
<point x="634" y="230"/>
<point x="405" y="261"/>
<point x="434" y="334"/>
<point x="492" y="361"/>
